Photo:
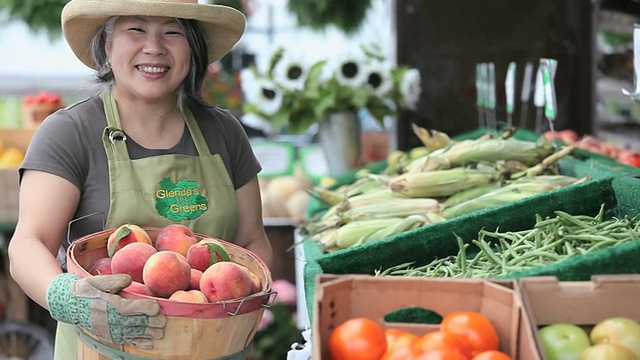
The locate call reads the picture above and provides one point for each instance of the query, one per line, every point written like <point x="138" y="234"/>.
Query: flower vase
<point x="339" y="135"/>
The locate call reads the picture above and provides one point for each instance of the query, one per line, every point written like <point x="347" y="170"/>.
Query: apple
<point x="563" y="341"/>
<point x="618" y="330"/>
<point x="606" y="351"/>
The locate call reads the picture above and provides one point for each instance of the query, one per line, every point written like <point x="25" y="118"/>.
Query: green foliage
<point x="346" y="15"/>
<point x="42" y="16"/>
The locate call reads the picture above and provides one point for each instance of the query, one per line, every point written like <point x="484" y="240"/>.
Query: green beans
<point x="550" y="240"/>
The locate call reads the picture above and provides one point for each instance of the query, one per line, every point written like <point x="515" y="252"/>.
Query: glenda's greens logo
<point x="181" y="200"/>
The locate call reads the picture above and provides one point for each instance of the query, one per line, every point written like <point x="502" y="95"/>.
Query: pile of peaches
<point x="178" y="266"/>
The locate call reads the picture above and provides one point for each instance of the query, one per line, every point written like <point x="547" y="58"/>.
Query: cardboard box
<point x="9" y="181"/>
<point x="341" y="297"/>
<point x="546" y="300"/>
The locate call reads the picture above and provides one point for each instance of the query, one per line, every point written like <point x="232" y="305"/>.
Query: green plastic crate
<point x="619" y="194"/>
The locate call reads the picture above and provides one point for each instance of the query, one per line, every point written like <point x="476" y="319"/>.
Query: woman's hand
<point x="92" y="304"/>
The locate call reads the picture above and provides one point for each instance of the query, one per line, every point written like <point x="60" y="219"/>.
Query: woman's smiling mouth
<point x="152" y="69"/>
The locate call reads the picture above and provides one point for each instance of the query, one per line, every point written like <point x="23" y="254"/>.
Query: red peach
<point x="195" y="296"/>
<point x="225" y="280"/>
<point x="101" y="267"/>
<point x="166" y="272"/>
<point x="138" y="288"/>
<point x="256" y="286"/>
<point x="194" y="284"/>
<point x="206" y="252"/>
<point x="131" y="259"/>
<point x="175" y="237"/>
<point x="124" y="235"/>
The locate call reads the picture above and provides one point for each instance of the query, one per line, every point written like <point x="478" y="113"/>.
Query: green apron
<point x="160" y="190"/>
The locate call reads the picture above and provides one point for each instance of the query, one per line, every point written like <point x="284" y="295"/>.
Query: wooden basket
<point x="194" y="331"/>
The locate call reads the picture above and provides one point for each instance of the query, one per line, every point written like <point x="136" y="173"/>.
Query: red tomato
<point x="441" y="354"/>
<point x="357" y="339"/>
<point x="442" y="340"/>
<point x="476" y="329"/>
<point x="491" y="355"/>
<point x="399" y="338"/>
<point x="400" y="353"/>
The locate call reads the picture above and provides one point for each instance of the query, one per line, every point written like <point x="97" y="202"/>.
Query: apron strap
<point x="114" y="135"/>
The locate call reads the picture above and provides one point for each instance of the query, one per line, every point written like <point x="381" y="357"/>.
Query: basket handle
<point x="82" y="218"/>
<point x="269" y="295"/>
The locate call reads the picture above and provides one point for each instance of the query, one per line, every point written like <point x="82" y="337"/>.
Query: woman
<point x="101" y="162"/>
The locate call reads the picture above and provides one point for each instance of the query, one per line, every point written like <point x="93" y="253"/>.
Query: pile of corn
<point x="438" y="181"/>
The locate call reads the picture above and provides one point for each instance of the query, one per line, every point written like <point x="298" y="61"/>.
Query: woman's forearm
<point x="32" y="267"/>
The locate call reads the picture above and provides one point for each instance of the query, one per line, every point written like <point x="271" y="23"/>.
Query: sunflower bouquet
<point x="293" y="93"/>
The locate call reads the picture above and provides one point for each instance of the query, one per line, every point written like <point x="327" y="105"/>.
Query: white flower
<point x="290" y="72"/>
<point x="410" y="88"/>
<point x="378" y="78"/>
<point x="266" y="96"/>
<point x="348" y="69"/>
<point x="257" y="122"/>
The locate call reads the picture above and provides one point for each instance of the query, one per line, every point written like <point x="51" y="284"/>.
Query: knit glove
<point x="92" y="304"/>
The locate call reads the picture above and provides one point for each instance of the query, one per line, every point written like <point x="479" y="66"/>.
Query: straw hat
<point x="81" y="19"/>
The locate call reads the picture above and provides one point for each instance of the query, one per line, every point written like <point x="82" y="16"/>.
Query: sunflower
<point x="379" y="79"/>
<point x="265" y="95"/>
<point x="348" y="69"/>
<point x="290" y="72"/>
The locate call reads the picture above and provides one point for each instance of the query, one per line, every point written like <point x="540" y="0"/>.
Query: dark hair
<point x="191" y="89"/>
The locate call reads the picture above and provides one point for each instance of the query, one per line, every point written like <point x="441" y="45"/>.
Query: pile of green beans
<point x="549" y="241"/>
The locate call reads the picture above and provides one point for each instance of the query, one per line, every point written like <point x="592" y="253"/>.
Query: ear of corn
<point x="513" y="191"/>
<point x="393" y="207"/>
<point x="469" y="194"/>
<point x="408" y="223"/>
<point x="491" y="150"/>
<point x="440" y="183"/>
<point x="356" y="232"/>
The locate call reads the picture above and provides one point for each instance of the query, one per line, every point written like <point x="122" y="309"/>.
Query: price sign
<point x="313" y="161"/>
<point x="276" y="157"/>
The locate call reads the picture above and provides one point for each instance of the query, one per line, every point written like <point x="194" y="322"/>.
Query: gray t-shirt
<point x="69" y="144"/>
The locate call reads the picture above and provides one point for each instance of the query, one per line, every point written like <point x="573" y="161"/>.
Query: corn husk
<point x="514" y="191"/>
<point x="467" y="152"/>
<point x="440" y="183"/>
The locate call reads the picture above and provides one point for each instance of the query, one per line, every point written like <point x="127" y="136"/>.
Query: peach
<point x="131" y="259"/>
<point x="165" y="272"/>
<point x="101" y="267"/>
<point x="175" y="237"/>
<point x="256" y="286"/>
<point x="206" y="252"/>
<point x="194" y="284"/>
<point x="138" y="288"/>
<point x="195" y="296"/>
<point x="124" y="235"/>
<point x="225" y="280"/>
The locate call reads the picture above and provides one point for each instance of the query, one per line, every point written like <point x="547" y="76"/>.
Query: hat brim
<point x="223" y="26"/>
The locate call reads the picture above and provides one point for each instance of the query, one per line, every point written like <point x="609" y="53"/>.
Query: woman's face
<point x="149" y="56"/>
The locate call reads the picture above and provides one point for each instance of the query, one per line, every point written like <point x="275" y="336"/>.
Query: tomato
<point x="399" y="338"/>
<point x="400" y="353"/>
<point x="442" y="340"/>
<point x="491" y="355"/>
<point x="358" y="339"/>
<point x="441" y="354"/>
<point x="475" y="328"/>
